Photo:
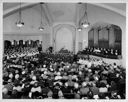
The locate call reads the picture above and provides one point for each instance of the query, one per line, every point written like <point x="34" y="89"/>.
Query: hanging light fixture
<point x="85" y="23"/>
<point x="79" y="29"/>
<point x="41" y="28"/>
<point x="79" y="26"/>
<point x="20" y="22"/>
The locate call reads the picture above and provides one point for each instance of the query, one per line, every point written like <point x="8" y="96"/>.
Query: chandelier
<point x="41" y="28"/>
<point x="85" y="23"/>
<point x="20" y="22"/>
<point x="79" y="25"/>
<point x="79" y="29"/>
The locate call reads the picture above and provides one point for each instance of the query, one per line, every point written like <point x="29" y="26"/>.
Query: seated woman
<point x="35" y="91"/>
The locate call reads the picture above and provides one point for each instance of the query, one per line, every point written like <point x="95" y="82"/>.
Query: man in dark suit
<point x="40" y="48"/>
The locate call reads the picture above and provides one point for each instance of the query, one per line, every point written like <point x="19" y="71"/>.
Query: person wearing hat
<point x="35" y="91"/>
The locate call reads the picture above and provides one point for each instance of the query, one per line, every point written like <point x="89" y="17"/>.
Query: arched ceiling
<point x="120" y="6"/>
<point x="62" y="12"/>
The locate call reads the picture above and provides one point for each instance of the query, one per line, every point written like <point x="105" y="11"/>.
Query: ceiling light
<point x="79" y="29"/>
<point x="85" y="24"/>
<point x="20" y="22"/>
<point x="41" y="28"/>
<point x="79" y="24"/>
<point x="85" y="21"/>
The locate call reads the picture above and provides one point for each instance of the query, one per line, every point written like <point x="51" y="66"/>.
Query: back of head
<point x="50" y="93"/>
<point x="5" y="91"/>
<point x="77" y="96"/>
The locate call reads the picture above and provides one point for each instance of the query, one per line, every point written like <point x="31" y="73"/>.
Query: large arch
<point x="105" y="35"/>
<point x="64" y="39"/>
<point x="64" y="27"/>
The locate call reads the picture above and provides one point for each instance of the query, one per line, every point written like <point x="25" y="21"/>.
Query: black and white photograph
<point x="64" y="50"/>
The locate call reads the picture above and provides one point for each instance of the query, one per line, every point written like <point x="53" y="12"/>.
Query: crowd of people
<point x="60" y="76"/>
<point x="19" y="51"/>
<point x="102" y="52"/>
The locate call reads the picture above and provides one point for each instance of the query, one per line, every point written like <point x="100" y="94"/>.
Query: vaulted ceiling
<point x="62" y="12"/>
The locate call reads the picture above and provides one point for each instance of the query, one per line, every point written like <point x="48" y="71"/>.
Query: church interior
<point x="64" y="50"/>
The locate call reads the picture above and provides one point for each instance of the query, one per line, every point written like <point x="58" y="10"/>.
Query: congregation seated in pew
<point x="58" y="76"/>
